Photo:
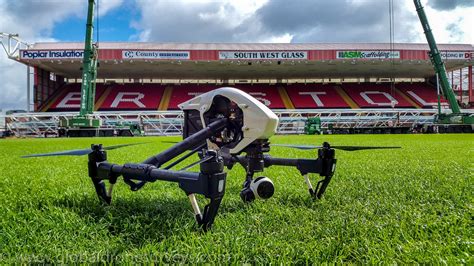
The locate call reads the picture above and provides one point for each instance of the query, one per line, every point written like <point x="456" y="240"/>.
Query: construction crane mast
<point x="84" y="120"/>
<point x="89" y="66"/>
<point x="456" y="117"/>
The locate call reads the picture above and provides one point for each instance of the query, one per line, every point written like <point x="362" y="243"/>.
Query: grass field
<point x="409" y="205"/>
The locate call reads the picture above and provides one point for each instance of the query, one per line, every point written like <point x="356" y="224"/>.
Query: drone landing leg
<point x="327" y="156"/>
<point x="195" y="205"/>
<point x="310" y="186"/>
<point x="97" y="156"/>
<point x="324" y="165"/>
<point x="210" y="182"/>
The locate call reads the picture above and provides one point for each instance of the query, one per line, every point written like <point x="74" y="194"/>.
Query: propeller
<point x="344" y="148"/>
<point x="169" y="141"/>
<point x="79" y="152"/>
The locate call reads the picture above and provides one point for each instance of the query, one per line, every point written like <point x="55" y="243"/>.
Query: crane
<point x="85" y="124"/>
<point x="456" y="117"/>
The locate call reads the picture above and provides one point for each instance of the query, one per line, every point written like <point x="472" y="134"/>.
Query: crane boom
<point x="456" y="117"/>
<point x="436" y="60"/>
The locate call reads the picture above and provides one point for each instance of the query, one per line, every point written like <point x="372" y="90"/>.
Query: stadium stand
<point x="345" y="84"/>
<point x="148" y="96"/>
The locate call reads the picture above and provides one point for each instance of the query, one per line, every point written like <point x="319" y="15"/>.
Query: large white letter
<point x="72" y="96"/>
<point x="136" y="100"/>
<point x="366" y="97"/>
<point x="423" y="102"/>
<point x="314" y="95"/>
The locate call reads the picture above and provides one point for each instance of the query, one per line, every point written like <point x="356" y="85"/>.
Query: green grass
<point x="412" y="205"/>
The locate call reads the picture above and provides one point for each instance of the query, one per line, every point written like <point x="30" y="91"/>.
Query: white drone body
<point x="259" y="122"/>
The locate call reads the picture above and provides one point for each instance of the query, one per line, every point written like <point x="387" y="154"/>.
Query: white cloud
<point x="34" y="21"/>
<point x="304" y="21"/>
<point x="448" y="26"/>
<point x="12" y="84"/>
<point x="108" y="5"/>
<point x="236" y="21"/>
<point x="195" y="20"/>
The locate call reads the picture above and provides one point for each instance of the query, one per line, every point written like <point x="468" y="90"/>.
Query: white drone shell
<point x="259" y="121"/>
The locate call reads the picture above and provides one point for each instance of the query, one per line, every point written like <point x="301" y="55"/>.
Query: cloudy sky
<point x="282" y="21"/>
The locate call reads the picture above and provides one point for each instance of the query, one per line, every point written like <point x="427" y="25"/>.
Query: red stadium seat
<point x="133" y="97"/>
<point x="370" y="95"/>
<point x="267" y="94"/>
<point x="315" y="96"/>
<point x="184" y="92"/>
<point x="421" y="93"/>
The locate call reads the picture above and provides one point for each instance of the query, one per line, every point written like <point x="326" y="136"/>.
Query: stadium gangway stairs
<point x="166" y="123"/>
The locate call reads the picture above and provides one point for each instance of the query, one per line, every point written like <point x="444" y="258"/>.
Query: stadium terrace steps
<point x="285" y="97"/>
<point x="404" y="96"/>
<point x="346" y="97"/>
<point x="103" y="95"/>
<point x="165" y="100"/>
<point x="133" y="96"/>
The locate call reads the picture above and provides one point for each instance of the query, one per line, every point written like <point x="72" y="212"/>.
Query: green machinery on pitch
<point x="312" y="126"/>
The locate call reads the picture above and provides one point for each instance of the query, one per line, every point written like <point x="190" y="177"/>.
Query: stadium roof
<point x="247" y="60"/>
<point x="252" y="46"/>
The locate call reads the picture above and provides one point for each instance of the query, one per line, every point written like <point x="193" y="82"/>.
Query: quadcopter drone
<point x="225" y="127"/>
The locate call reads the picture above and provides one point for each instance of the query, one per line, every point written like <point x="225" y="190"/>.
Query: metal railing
<point x="161" y="123"/>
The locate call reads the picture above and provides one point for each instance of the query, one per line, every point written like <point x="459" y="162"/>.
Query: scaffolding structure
<point x="167" y="123"/>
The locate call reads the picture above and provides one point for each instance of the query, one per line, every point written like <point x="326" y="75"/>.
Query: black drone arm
<point x="191" y="142"/>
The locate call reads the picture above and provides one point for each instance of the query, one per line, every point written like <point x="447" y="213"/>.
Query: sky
<point x="270" y="21"/>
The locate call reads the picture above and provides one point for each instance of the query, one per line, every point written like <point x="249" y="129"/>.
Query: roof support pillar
<point x="470" y="88"/>
<point x="28" y="88"/>
<point x="460" y="85"/>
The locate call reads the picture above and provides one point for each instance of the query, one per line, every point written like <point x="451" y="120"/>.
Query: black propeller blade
<point x="79" y="152"/>
<point x="169" y="141"/>
<point x="344" y="148"/>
